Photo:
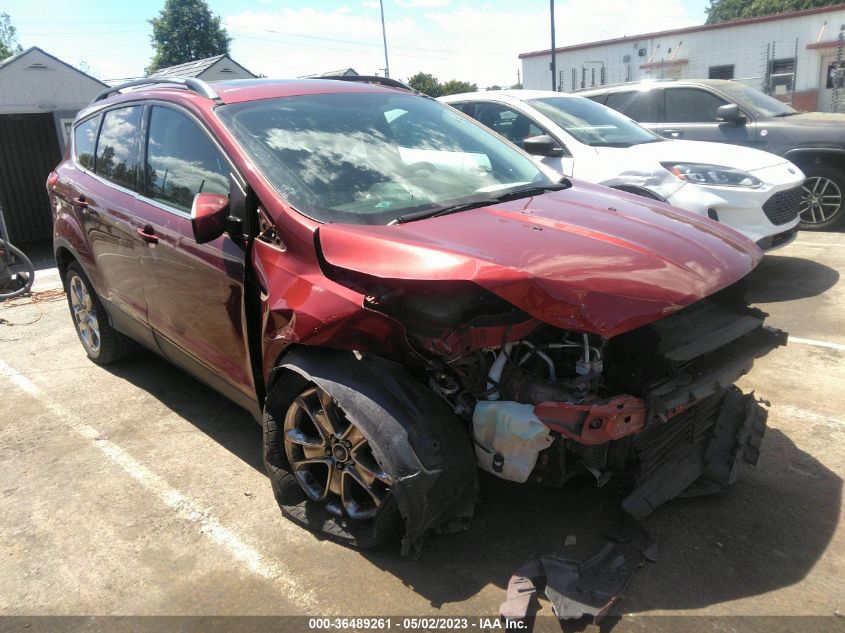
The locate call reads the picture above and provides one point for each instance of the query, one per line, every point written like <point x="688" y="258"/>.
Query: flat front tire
<point x="323" y="469"/>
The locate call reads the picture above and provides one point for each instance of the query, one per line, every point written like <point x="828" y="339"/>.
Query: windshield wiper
<point x="474" y="204"/>
<point x="783" y="114"/>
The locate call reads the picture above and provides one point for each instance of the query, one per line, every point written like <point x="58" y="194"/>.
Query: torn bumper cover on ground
<point x="577" y="589"/>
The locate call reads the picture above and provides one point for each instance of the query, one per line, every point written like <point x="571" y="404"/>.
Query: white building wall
<point x="744" y="45"/>
<point x="35" y="82"/>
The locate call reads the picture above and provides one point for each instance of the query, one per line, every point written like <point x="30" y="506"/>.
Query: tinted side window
<point x="182" y="161"/>
<point x="85" y="140"/>
<point x="117" y="156"/>
<point x="691" y="105"/>
<point x="511" y="124"/>
<point x="639" y="105"/>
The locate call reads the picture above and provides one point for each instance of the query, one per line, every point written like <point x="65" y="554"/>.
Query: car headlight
<point x="700" y="174"/>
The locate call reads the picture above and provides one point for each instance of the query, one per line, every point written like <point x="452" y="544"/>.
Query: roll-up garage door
<point x="29" y="150"/>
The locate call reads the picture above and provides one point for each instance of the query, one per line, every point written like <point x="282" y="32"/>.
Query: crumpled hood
<point x="587" y="258"/>
<point x="738" y="157"/>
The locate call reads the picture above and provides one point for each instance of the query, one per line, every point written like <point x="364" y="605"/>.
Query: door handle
<point x="80" y="202"/>
<point x="147" y="234"/>
<point x="674" y="133"/>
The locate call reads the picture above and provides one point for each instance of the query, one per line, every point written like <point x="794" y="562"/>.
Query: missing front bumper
<point x="698" y="452"/>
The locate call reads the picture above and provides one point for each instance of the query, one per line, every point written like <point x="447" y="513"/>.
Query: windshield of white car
<point x="592" y="123"/>
<point x="371" y="157"/>
<point x="756" y="101"/>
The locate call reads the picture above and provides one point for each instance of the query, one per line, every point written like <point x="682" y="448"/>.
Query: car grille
<point x="784" y="206"/>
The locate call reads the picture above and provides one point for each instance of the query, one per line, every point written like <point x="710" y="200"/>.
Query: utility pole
<point x="384" y="37"/>
<point x="553" y="65"/>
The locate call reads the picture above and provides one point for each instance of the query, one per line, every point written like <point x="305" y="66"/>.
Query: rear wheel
<point x="324" y="472"/>
<point x="822" y="202"/>
<point x="101" y="341"/>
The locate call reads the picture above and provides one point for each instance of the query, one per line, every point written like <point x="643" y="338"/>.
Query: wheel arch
<point x="429" y="449"/>
<point x="817" y="157"/>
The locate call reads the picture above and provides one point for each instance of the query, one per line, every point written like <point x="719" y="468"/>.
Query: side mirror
<point x="542" y="145"/>
<point x="729" y="113"/>
<point x="209" y="216"/>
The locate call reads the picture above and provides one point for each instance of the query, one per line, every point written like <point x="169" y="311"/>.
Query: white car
<point x="753" y="192"/>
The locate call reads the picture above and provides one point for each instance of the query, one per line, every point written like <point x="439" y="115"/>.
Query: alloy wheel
<point x="84" y="315"/>
<point x="331" y="458"/>
<point x="821" y="201"/>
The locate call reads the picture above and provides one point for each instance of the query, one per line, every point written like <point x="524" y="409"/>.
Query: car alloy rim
<point x="821" y="201"/>
<point x="84" y="315"/>
<point x="331" y="459"/>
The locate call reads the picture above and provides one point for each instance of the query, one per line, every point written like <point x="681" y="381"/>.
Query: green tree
<point x="723" y="10"/>
<point x="426" y="83"/>
<point x="456" y="86"/>
<point x="8" y="39"/>
<point x="186" y="30"/>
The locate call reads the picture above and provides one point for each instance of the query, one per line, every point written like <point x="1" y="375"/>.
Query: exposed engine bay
<point x="544" y="404"/>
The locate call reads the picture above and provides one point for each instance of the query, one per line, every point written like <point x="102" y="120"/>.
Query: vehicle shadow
<point x="766" y="533"/>
<point x="783" y="278"/>
<point x="213" y="414"/>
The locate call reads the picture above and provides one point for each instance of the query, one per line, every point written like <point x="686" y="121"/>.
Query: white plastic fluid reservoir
<point x="508" y="437"/>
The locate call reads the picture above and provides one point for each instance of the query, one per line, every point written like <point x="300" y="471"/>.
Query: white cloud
<point x="370" y="4"/>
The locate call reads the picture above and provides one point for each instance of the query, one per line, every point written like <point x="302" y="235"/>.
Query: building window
<point x="781" y="76"/>
<point x="721" y="72"/>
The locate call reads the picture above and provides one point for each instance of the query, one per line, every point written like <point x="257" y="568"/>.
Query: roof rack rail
<point x="371" y="79"/>
<point x="190" y="83"/>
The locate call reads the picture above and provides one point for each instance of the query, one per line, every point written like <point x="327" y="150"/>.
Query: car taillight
<point x="52" y="179"/>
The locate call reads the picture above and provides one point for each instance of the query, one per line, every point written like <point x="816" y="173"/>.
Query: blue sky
<point x="453" y="39"/>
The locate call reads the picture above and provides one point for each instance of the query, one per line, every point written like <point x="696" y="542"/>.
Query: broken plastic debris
<point x="575" y="588"/>
<point x="522" y="589"/>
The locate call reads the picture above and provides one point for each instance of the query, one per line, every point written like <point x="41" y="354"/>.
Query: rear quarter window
<point x="85" y="141"/>
<point x="117" y="151"/>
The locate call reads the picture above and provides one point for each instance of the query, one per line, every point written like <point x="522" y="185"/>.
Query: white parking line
<point x="814" y="342"/>
<point x="187" y="508"/>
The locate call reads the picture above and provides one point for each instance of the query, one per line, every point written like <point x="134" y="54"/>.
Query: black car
<point x="730" y="112"/>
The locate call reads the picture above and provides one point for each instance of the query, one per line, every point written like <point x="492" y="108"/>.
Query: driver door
<point x="194" y="292"/>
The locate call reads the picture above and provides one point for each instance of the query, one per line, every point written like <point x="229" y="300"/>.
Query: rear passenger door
<point x="690" y="113"/>
<point x="194" y="292"/>
<point x="106" y="151"/>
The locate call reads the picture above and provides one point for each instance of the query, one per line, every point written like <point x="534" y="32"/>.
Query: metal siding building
<point x="788" y="55"/>
<point x="39" y="98"/>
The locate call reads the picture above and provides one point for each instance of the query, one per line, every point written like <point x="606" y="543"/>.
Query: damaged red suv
<point x="402" y="297"/>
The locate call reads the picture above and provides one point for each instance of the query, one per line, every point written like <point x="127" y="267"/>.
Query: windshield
<point x="754" y="100"/>
<point x="592" y="123"/>
<point x="371" y="157"/>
